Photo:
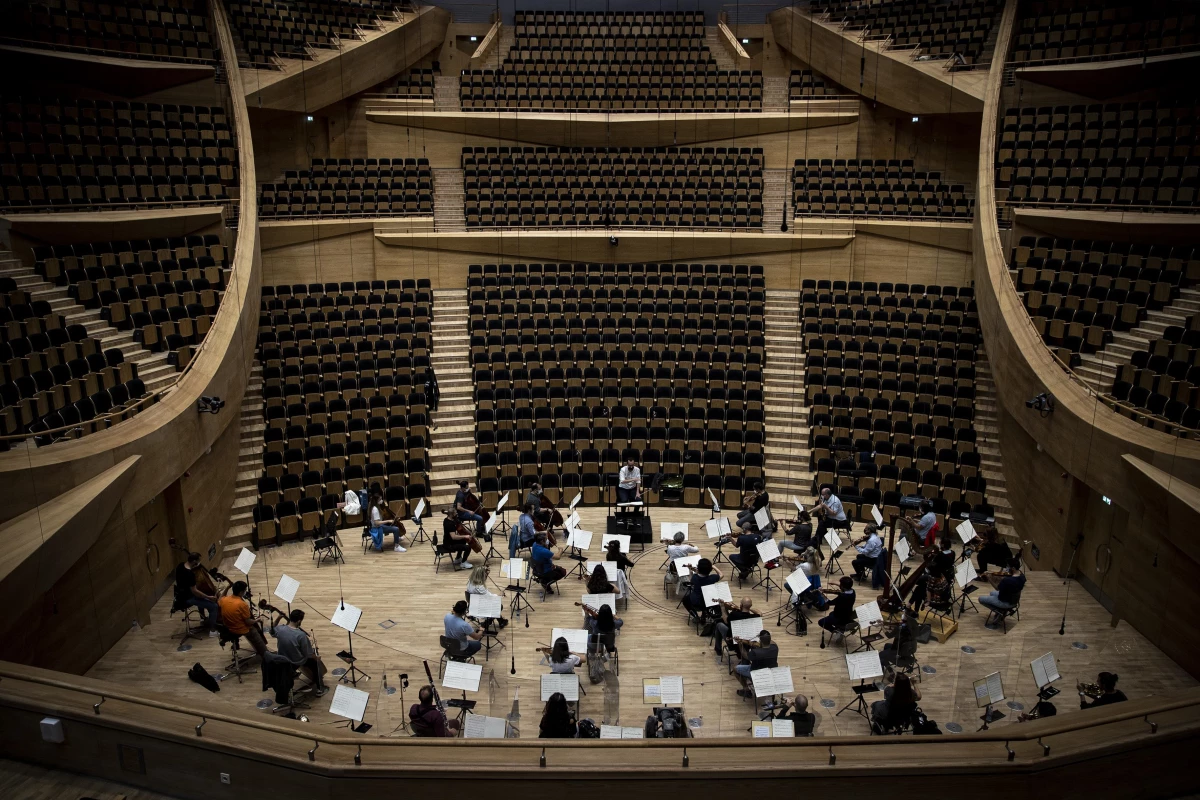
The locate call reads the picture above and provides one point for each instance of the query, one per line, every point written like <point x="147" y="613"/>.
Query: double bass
<point x="206" y="579"/>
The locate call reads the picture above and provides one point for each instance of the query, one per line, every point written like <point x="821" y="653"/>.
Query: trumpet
<point x="1091" y="690"/>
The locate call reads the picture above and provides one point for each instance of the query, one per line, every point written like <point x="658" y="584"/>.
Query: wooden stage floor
<point x="403" y="603"/>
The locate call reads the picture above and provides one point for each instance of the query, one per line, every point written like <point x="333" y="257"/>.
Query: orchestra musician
<point x="752" y="503"/>
<point x="678" y="548"/>
<point x="766" y="655"/>
<point x="926" y="525"/>
<point x="542" y="559"/>
<point x="832" y="515"/>
<point x="811" y="565"/>
<point x="1109" y="693"/>
<point x="993" y="551"/>
<point x="1007" y="594"/>
<point x="533" y="499"/>
<point x="843" y="606"/>
<point x="459" y="628"/>
<point x="189" y="593"/>
<point x="380" y="526"/>
<point x="612" y="552"/>
<point x="293" y="643"/>
<point x="477" y="584"/>
<point x="746" y="558"/>
<point x="557" y="720"/>
<point x="729" y="615"/>
<point x="901" y="649"/>
<point x="235" y="616"/>
<point x="526" y="531"/>
<point x="460" y="505"/>
<point x="603" y="624"/>
<point x="869" y="548"/>
<point x="426" y="719"/>
<point x="705" y="574"/>
<point x="562" y="660"/>
<point x="598" y="583"/>
<point x="456" y="540"/>
<point x="801" y="533"/>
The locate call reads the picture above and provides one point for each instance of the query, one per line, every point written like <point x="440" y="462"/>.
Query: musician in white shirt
<point x="629" y="486"/>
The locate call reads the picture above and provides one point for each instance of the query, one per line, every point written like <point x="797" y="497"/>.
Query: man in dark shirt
<point x="801" y="533"/>
<point x="746" y="558"/>
<point x="729" y="615"/>
<point x="1007" y="594"/>
<point x="1110" y="693"/>
<point x="544" y="568"/>
<point x="534" y="498"/>
<point x="465" y="514"/>
<point x="762" y="657"/>
<point x="843" y="606"/>
<point x="188" y="594"/>
<point x="426" y="719"/>
<point x="993" y="551"/>
<point x="705" y="574"/>
<point x="761" y="499"/>
<point x="456" y="544"/>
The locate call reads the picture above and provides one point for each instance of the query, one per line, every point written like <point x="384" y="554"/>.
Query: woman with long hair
<point x="898" y="703"/>
<point x="380" y="523"/>
<point x="810" y="562"/>
<point x="477" y="584"/>
<point x="598" y="582"/>
<point x="557" y="720"/>
<point x="562" y="660"/>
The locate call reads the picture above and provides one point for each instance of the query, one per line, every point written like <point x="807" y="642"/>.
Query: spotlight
<point x="474" y="38"/>
<point x="1042" y="403"/>
<point x="310" y="118"/>
<point x="612" y="241"/>
<point x="210" y="405"/>
<point x="916" y="119"/>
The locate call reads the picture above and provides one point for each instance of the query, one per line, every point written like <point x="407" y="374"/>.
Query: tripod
<point x="519" y="600"/>
<point x="580" y="559"/>
<point x="403" y="726"/>
<point x="989" y="716"/>
<point x="492" y="551"/>
<point x="352" y="675"/>
<point x="421" y="535"/>
<point x="859" y="703"/>
<point x="767" y="580"/>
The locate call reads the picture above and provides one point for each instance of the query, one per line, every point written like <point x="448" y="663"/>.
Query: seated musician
<point x="603" y="625"/>
<point x="457" y="543"/>
<point x="187" y="593"/>
<point x="832" y="514"/>
<point x="562" y="660"/>
<point x="678" y="548"/>
<point x="705" y="574"/>
<point x="927" y="526"/>
<point x="235" y="616"/>
<point x="943" y="561"/>
<point x="729" y="615"/>
<point x="811" y="566"/>
<point x="598" y="583"/>
<point x="557" y="720"/>
<point x="534" y="498"/>
<point x="746" y="558"/>
<point x="381" y="523"/>
<point x="761" y="498"/>
<point x="803" y="720"/>
<point x="1109" y="693"/>
<point x="293" y="643"/>
<point x="868" y="553"/>
<point x="544" y="568"/>
<point x="801" y="533"/>
<point x="465" y="514"/>
<point x="426" y="719"/>
<point x="761" y="657"/>
<point x="459" y="628"/>
<point x="901" y="649"/>
<point x="525" y="533"/>
<point x="843" y="606"/>
<point x="898" y="704"/>
<point x="1007" y="594"/>
<point x="612" y="552"/>
<point x="993" y="552"/>
<point x="477" y="584"/>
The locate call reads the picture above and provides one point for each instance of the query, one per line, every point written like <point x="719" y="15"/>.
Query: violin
<point x="265" y="606"/>
<point x="748" y="498"/>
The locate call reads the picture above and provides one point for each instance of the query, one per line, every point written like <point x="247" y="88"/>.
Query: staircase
<point x="448" y="200"/>
<point x="786" y="454"/>
<point x="777" y="198"/>
<point x="987" y="430"/>
<point x="1099" y="369"/>
<point x="452" y="434"/>
<point x="245" y="491"/>
<point x="445" y="93"/>
<point x="718" y="48"/>
<point x="152" y="368"/>
<point x="775" y="92"/>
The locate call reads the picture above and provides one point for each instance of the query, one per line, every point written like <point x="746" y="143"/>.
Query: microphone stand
<point x="1062" y="627"/>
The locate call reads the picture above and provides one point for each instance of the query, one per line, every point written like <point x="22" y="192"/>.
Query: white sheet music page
<point x="481" y="727"/>
<point x="671" y="687"/>
<point x="864" y="665"/>
<point x="761" y="730"/>
<point x="796" y="503"/>
<point x="768" y="550"/>
<point x="595" y="601"/>
<point x="762" y="518"/>
<point x="576" y="639"/>
<point x="783" y="729"/>
<point x="575" y="502"/>
<point x="513" y="568"/>
<point x="869" y="614"/>
<point x="716" y="591"/>
<point x="903" y="551"/>
<point x="748" y="628"/>
<point x="623" y="538"/>
<point x="579" y="539"/>
<point x="716" y="528"/>
<point x="1045" y="670"/>
<point x="503" y="502"/>
<point x="567" y="683"/>
<point x="668" y="530"/>
<point x="610" y="568"/>
<point x="965" y="530"/>
<point x="287" y="588"/>
<point x="346" y="616"/>
<point x="245" y="561"/>
<point x="491" y="524"/>
<point x="685" y="565"/>
<point x="875" y="515"/>
<point x="349" y="703"/>
<point x="776" y="680"/>
<point x="573" y="520"/>
<point x="833" y="540"/>
<point x="995" y="687"/>
<point x="964" y="573"/>
<point x="485" y="606"/>
<point x="420" y="509"/>
<point x="463" y="676"/>
<point x="798" y="582"/>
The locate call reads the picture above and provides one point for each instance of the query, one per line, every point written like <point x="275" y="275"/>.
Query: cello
<point x="476" y="547"/>
<point x="472" y="504"/>
<point x="556" y="518"/>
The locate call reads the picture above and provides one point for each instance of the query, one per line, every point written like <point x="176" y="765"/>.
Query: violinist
<point x="188" y="593"/>
<point x="927" y="525"/>
<point x="753" y="504"/>
<point x="869" y="548"/>
<point x="801" y="533"/>
<point x="533" y="498"/>
<point x="457" y="627"/>
<point x="460" y="505"/>
<point x="455" y="539"/>
<point x="379" y="526"/>
<point x="526" y="530"/>
<point x="477" y="584"/>
<point x="832" y="514"/>
<point x="544" y="568"/>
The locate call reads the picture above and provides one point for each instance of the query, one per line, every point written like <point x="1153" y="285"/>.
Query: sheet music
<point x="572" y="520"/>
<point x="349" y="703"/>
<point x="833" y="540"/>
<point x="671" y="689"/>
<point x="989" y="690"/>
<point x="768" y="550"/>
<point x="618" y="732"/>
<point x="492" y="522"/>
<point x="513" y="568"/>
<point x="461" y="675"/>
<point x="575" y="502"/>
<point x="485" y="606"/>
<point x="748" y="628"/>
<point x="903" y="551"/>
<point x="774" y="680"/>
<point x="669" y="529"/>
<point x="869" y="614"/>
<point x="716" y="506"/>
<point x="685" y="565"/>
<point x="579" y="539"/>
<point x="420" y="509"/>
<point x="577" y="638"/>
<point x="595" y="601"/>
<point x="716" y="591"/>
<point x="287" y="588"/>
<point x="796" y="503"/>
<point x="715" y="528"/>
<point x="762" y="518"/>
<point x="762" y="730"/>
<point x="863" y="665"/>
<point x="966" y="531"/>
<point x="798" y="582"/>
<point x="651" y="691"/>
<point x="481" y="727"/>
<point x="875" y="515"/>
<point x="346" y="616"/>
<point x="964" y="573"/>
<point x="1045" y="670"/>
<point x="567" y="683"/>
<point x="623" y="538"/>
<point x="245" y="561"/>
<point x="610" y="568"/>
<point x="503" y="502"/>
<point x="783" y="729"/>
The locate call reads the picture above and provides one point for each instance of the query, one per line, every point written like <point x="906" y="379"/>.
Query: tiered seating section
<point x="889" y="188"/>
<point x="1132" y="155"/>
<point x="890" y="386"/>
<point x="1078" y="291"/>
<point x="1164" y="378"/>
<point x="294" y="28"/>
<point x="416" y="83"/>
<point x="958" y="29"/>
<point x="359" y="187"/>
<point x="627" y="61"/>
<point x="710" y="187"/>
<point x="578" y="365"/>
<point x="1088" y="30"/>
<point x="804" y="85"/>
<point x="175" y="31"/>
<point x="343" y="371"/>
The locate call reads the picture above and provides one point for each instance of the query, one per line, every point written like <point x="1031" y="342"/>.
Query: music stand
<point x="490" y="537"/>
<point x="502" y="511"/>
<point x="860" y="667"/>
<point x="989" y="690"/>
<point x="488" y="617"/>
<point x="351" y="704"/>
<point x="578" y="541"/>
<point x="420" y="535"/>
<point x="768" y="551"/>
<point x="347" y="616"/>
<point x="519" y="600"/>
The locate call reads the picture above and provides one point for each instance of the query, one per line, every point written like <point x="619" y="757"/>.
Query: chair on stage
<point x="238" y="665"/>
<point x="452" y="651"/>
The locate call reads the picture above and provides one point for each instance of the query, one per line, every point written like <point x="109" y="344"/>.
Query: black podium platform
<point x="640" y="535"/>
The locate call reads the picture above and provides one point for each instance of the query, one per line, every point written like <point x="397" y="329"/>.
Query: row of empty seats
<point x="1086" y="30"/>
<point x="292" y="28"/>
<point x="823" y="187"/>
<point x="351" y="187"/>
<point x="414" y="83"/>
<point x="178" y="31"/>
<point x="957" y="29"/>
<point x="804" y="83"/>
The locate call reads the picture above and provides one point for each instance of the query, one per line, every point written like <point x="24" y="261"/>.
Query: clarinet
<point x="437" y="698"/>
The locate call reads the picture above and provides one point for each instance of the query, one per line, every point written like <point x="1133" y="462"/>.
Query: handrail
<point x="1131" y="55"/>
<point x="56" y="47"/>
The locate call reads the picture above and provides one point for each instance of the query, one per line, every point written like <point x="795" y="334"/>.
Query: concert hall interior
<point x="391" y="385"/>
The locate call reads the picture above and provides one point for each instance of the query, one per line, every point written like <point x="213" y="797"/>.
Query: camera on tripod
<point x="667" y="723"/>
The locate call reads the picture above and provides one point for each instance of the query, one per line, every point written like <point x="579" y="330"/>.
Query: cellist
<point x="189" y="591"/>
<point x="534" y="498"/>
<point x="460" y="506"/>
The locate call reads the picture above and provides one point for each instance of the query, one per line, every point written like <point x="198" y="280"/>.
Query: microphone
<point x="513" y="671"/>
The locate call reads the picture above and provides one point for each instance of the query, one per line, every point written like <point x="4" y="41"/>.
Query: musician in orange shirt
<point x="235" y="616"/>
